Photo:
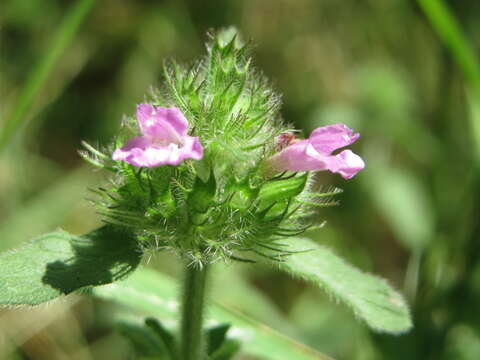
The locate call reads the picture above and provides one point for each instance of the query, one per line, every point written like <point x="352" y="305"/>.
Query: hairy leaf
<point x="370" y="297"/>
<point x="144" y="341"/>
<point x="59" y="263"/>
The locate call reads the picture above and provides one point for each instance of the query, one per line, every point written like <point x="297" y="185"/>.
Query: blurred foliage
<point x="377" y="65"/>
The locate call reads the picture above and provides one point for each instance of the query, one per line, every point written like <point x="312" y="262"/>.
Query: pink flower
<point x="315" y="153"/>
<point x="164" y="141"/>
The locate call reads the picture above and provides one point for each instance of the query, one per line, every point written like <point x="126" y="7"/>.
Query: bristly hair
<point x="227" y="203"/>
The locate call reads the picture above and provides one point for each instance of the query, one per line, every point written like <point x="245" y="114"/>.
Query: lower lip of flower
<point x="165" y="142"/>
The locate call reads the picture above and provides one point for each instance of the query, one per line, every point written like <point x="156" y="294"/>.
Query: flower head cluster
<point x="207" y="169"/>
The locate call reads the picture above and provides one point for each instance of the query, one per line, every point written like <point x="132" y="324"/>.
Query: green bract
<point x="229" y="201"/>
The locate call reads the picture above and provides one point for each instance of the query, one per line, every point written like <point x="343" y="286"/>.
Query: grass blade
<point x="42" y="70"/>
<point x="452" y="35"/>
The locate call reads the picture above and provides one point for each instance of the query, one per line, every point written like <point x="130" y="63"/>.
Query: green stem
<point x="191" y="346"/>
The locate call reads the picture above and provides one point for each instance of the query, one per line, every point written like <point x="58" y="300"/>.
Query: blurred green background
<point x="70" y="70"/>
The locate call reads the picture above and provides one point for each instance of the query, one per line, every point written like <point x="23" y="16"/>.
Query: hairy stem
<point x="191" y="345"/>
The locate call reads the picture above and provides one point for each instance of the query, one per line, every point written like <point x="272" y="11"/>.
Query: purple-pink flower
<point x="316" y="153"/>
<point x="164" y="140"/>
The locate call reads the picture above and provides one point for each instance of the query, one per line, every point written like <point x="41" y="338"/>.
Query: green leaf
<point x="156" y="294"/>
<point x="144" y="341"/>
<point x="227" y="351"/>
<point x="167" y="338"/>
<point x="370" y="297"/>
<point x="219" y="347"/>
<point x="59" y="263"/>
<point x="216" y="337"/>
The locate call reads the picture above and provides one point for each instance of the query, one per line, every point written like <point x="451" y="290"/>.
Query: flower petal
<point x="346" y="163"/>
<point x="329" y="138"/>
<point x="295" y="158"/>
<point x="164" y="141"/>
<point x="138" y="142"/>
<point x="175" y="118"/>
<point x="314" y="154"/>
<point x="168" y="124"/>
<point x="192" y="149"/>
<point x="142" y="152"/>
<point x="349" y="164"/>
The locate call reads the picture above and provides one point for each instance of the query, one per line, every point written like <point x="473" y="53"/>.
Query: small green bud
<point x="243" y="195"/>
<point x="280" y="190"/>
<point x="164" y="204"/>
<point x="203" y="194"/>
